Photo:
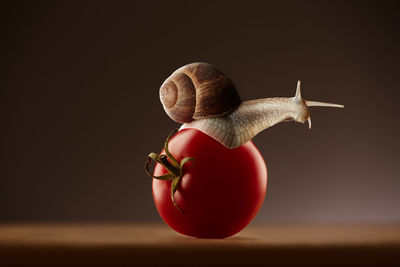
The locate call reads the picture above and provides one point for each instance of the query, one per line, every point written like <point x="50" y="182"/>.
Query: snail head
<point x="302" y="106"/>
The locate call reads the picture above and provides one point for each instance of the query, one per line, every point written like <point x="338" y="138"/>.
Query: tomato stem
<point x="166" y="164"/>
<point x="175" y="169"/>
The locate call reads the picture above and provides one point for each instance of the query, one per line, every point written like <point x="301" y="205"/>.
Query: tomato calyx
<point x="175" y="169"/>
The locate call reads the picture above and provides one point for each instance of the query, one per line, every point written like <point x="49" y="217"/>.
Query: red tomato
<point x="220" y="194"/>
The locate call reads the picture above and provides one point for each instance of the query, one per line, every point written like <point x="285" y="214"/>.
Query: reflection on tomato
<point x="221" y="193"/>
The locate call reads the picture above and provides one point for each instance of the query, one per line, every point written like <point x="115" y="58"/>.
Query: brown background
<point x="80" y="111"/>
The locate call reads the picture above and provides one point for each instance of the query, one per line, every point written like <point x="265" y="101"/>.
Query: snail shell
<point x="198" y="91"/>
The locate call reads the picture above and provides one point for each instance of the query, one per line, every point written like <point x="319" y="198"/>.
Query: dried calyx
<point x="175" y="168"/>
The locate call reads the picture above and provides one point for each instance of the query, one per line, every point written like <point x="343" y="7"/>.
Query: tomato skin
<point x="221" y="193"/>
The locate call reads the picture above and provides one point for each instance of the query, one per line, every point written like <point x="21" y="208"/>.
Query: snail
<point x="200" y="96"/>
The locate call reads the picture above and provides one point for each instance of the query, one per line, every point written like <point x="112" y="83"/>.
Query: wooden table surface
<point x="156" y="245"/>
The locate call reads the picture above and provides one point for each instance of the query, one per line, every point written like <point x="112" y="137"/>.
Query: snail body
<point x="202" y="97"/>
